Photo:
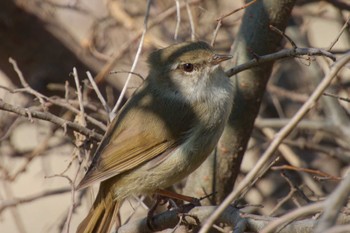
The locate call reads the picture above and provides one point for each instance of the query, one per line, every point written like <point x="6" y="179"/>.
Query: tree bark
<point x="253" y="39"/>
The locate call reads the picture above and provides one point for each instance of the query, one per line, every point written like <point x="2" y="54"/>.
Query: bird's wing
<point x="125" y="149"/>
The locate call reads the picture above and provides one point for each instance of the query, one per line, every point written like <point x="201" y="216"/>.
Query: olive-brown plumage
<point x="164" y="132"/>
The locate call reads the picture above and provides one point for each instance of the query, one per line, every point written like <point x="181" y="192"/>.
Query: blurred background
<point x="47" y="38"/>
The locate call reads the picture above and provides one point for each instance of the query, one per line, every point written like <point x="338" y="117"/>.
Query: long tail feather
<point x="102" y="217"/>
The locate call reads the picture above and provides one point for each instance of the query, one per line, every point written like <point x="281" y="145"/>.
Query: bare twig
<point x="285" y="53"/>
<point x="98" y="93"/>
<point x="215" y="33"/>
<point x="190" y="18"/>
<point x="122" y="93"/>
<point x="14" y="212"/>
<point x="337" y="97"/>
<point x="219" y="20"/>
<point x="286" y="198"/>
<point x="346" y="25"/>
<point x="9" y="129"/>
<point x="311" y="171"/>
<point x="108" y="67"/>
<point x="292" y="158"/>
<point x="284" y="35"/>
<point x="73" y="201"/>
<point x="336" y="201"/>
<point x="327" y="127"/>
<point x="57" y="101"/>
<point x="46" y="116"/>
<point x="236" y="10"/>
<point x="38" y="150"/>
<point x="178" y="18"/>
<point x="66" y="91"/>
<point x="128" y="72"/>
<point x="72" y="182"/>
<point x="281" y="222"/>
<point x="80" y="98"/>
<point x="25" y="84"/>
<point x="282" y="92"/>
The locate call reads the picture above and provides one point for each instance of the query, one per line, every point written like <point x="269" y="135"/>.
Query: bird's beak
<point x="218" y="58"/>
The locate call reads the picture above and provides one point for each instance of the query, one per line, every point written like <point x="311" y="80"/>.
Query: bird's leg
<point x="177" y="196"/>
<point x="159" y="201"/>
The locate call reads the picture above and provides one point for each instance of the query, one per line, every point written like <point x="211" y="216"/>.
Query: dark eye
<point x="188" y="67"/>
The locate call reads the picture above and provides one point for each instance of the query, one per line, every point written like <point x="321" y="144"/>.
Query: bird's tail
<point x="103" y="215"/>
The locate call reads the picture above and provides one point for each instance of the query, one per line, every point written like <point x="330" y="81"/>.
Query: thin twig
<point x="8" y="132"/>
<point x="311" y="171"/>
<point x="285" y="53"/>
<point x="80" y="98"/>
<point x="73" y="202"/>
<point x="25" y="84"/>
<point x="178" y="18"/>
<point x="336" y="201"/>
<point x="122" y="93"/>
<point x="286" y="198"/>
<point x="57" y="101"/>
<point x="282" y="221"/>
<point x="129" y="72"/>
<point x="346" y="25"/>
<point x="288" y="94"/>
<point x="216" y="31"/>
<point x="337" y="97"/>
<point x="236" y="10"/>
<point x="108" y="67"/>
<point x="98" y="93"/>
<point x="273" y="28"/>
<point x="219" y="20"/>
<point x="37" y="151"/>
<point x="292" y="158"/>
<point x="190" y="18"/>
<point x="14" y="212"/>
<point x="46" y="116"/>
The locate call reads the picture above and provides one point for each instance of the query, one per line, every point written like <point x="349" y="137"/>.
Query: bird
<point x="164" y="132"/>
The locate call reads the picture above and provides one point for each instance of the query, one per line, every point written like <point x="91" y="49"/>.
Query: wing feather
<point x="124" y="152"/>
<point x="146" y="130"/>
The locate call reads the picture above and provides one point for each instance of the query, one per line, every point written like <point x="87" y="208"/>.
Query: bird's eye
<point x="188" y="67"/>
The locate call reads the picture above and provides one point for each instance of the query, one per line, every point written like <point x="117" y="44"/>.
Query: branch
<point x="232" y="217"/>
<point x="281" y="222"/>
<point x="285" y="53"/>
<point x="138" y="52"/>
<point x="46" y="116"/>
<point x="256" y="223"/>
<point x="194" y="216"/>
<point x="336" y="201"/>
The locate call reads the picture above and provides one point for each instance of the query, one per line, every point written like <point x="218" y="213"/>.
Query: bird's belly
<point x="180" y="163"/>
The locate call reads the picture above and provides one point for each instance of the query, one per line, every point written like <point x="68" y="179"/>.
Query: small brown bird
<point x="163" y="133"/>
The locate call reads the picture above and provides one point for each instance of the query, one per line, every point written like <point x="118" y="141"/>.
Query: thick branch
<point x="254" y="37"/>
<point x="195" y="216"/>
